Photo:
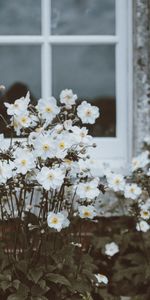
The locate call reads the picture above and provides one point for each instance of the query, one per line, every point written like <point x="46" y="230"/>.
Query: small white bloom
<point x="87" y="113"/>
<point x="24" y="161"/>
<point x="58" y="220"/>
<point x="111" y="249"/>
<point x="101" y="279"/>
<point x="19" y="106"/>
<point x="23" y="120"/>
<point x="5" y="171"/>
<point x="116" y="182"/>
<point x="79" y="245"/>
<point x="88" y="189"/>
<point x="132" y="191"/>
<point x="44" y="146"/>
<point x="140" y="161"/>
<point x="142" y="226"/>
<point x="81" y="135"/>
<point x="145" y="213"/>
<point x="50" y="178"/>
<point x="87" y="212"/>
<point x="68" y="124"/>
<point x="67" y="97"/>
<point x="48" y="108"/>
<point x="62" y="144"/>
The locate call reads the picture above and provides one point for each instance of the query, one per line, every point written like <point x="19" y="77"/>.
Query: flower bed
<point x="55" y="241"/>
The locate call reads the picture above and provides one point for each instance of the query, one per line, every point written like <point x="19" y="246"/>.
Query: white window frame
<point x="115" y="151"/>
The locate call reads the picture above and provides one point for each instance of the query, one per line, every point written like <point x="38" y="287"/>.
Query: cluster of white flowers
<point x="140" y="161"/>
<point x="53" y="154"/>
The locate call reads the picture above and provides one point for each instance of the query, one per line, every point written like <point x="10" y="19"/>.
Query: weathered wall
<point x="141" y="72"/>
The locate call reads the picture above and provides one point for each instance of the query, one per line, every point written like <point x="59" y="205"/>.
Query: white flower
<point x="24" y="161"/>
<point x="87" y="113"/>
<point x="48" y="108"/>
<point x="81" y="135"/>
<point x="142" y="226"/>
<point x="140" y="161"/>
<point x="132" y="191"/>
<point x="88" y="189"/>
<point x="116" y="182"/>
<point x="68" y="124"/>
<point x="145" y="209"/>
<point x="50" y="178"/>
<point x="111" y="249"/>
<point x="101" y="279"/>
<point x="19" y="106"/>
<point x="58" y="220"/>
<point x="23" y="120"/>
<point x="5" y="171"/>
<point x="67" y="97"/>
<point x="44" y="146"/>
<point x="62" y="144"/>
<point x="87" y="212"/>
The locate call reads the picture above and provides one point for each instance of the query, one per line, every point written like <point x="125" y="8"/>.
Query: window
<point x="84" y="45"/>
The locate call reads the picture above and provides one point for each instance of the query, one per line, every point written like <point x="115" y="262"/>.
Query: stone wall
<point x="141" y="72"/>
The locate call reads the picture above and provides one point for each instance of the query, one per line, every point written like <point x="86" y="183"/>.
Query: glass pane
<point x="71" y="17"/>
<point x="90" y="72"/>
<point x="20" y="72"/>
<point x="20" y="17"/>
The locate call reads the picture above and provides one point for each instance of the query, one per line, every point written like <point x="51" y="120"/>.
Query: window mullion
<point x="45" y="55"/>
<point x="83" y="39"/>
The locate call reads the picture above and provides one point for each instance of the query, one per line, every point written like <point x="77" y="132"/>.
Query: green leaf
<point x="36" y="274"/>
<point x="16" y="297"/>
<point x="56" y="278"/>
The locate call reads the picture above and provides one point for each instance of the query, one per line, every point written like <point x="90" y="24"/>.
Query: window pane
<point x="90" y="72"/>
<point x="20" y="72"/>
<point x="20" y="17"/>
<point x="83" y="17"/>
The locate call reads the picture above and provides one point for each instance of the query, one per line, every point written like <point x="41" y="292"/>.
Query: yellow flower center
<point x="50" y="176"/>
<point x="145" y="213"/>
<point x="46" y="147"/>
<point x="16" y="105"/>
<point x="132" y="190"/>
<point x="24" y="120"/>
<point x="88" y="112"/>
<point x="117" y="180"/>
<point x="61" y="145"/>
<point x="87" y="214"/>
<point x="48" y="109"/>
<point x="87" y="188"/>
<point x="54" y="220"/>
<point x="23" y="162"/>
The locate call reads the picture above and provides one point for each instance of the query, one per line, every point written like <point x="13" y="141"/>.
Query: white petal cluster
<point x="142" y="226"/>
<point x="132" y="191"/>
<point x="140" y="161"/>
<point x="67" y="97"/>
<point x="116" y="182"/>
<point x="87" y="212"/>
<point x="50" y="178"/>
<point x="48" y="109"/>
<point x="58" y="221"/>
<point x="111" y="249"/>
<point x="101" y="279"/>
<point x="24" y="161"/>
<point x="88" y="189"/>
<point x="5" y="171"/>
<point x="87" y="113"/>
<point x="19" y="107"/>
